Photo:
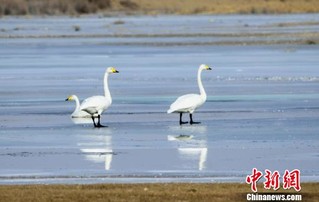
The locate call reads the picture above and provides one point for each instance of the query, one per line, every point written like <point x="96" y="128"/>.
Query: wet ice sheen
<point x="261" y="111"/>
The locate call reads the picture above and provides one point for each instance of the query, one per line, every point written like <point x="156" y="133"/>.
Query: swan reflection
<point x="99" y="156"/>
<point x="189" y="129"/>
<point x="191" y="147"/>
<point x="98" y="149"/>
<point x="195" y="153"/>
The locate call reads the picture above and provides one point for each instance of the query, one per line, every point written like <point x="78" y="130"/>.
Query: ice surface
<point x="262" y="109"/>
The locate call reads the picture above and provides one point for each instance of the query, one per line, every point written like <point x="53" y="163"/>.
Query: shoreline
<point x="131" y="178"/>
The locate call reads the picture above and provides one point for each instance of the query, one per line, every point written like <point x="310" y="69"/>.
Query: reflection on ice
<point x="180" y="137"/>
<point x="195" y="153"/>
<point x="98" y="150"/>
<point x="191" y="149"/>
<point x="189" y="129"/>
<point x="99" y="156"/>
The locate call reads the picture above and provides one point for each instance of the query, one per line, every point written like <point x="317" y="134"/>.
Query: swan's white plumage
<point x="186" y="103"/>
<point x="190" y="102"/>
<point x="95" y="104"/>
<point x="77" y="113"/>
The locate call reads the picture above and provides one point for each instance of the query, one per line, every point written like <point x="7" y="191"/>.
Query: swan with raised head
<point x="96" y="105"/>
<point x="77" y="113"/>
<point x="190" y="102"/>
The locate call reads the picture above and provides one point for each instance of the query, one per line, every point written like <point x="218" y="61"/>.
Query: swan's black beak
<point x="67" y="99"/>
<point x="116" y="71"/>
<point x="209" y="68"/>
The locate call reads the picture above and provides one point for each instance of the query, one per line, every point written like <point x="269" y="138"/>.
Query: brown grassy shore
<point x="78" y="7"/>
<point x="143" y="192"/>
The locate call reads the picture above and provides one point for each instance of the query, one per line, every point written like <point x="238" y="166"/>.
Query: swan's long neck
<point x="107" y="93"/>
<point x="77" y="103"/>
<point x="200" y="85"/>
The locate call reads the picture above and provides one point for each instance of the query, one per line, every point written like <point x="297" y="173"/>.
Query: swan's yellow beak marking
<point x="114" y="70"/>
<point x="207" y="67"/>
<point x="69" y="98"/>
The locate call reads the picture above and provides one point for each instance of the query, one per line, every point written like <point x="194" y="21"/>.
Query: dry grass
<point x="52" y="7"/>
<point x="229" y="6"/>
<point x="76" y="7"/>
<point x="142" y="192"/>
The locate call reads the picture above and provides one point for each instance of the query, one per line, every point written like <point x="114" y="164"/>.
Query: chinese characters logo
<point x="290" y="179"/>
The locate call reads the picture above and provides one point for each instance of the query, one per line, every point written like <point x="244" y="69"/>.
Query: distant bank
<point x="154" y="7"/>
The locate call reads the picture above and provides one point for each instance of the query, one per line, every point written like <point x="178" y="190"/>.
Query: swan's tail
<point x="170" y="111"/>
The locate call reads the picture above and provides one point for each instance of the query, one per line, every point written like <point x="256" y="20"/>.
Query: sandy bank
<point x="153" y="7"/>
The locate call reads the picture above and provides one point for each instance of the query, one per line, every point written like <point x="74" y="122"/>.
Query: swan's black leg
<point x="191" y="119"/>
<point x="180" y="119"/>
<point x="93" y="121"/>
<point x="99" y="122"/>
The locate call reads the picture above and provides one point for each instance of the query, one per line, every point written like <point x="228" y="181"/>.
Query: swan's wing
<point x="186" y="103"/>
<point x="95" y="104"/>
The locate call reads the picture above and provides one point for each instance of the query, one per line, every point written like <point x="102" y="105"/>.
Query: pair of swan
<point x="94" y="106"/>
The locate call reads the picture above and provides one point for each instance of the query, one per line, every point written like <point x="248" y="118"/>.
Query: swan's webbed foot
<point x="191" y="120"/>
<point x="194" y="122"/>
<point x="99" y="126"/>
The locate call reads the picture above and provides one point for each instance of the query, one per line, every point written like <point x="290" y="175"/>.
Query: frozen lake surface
<point x="262" y="109"/>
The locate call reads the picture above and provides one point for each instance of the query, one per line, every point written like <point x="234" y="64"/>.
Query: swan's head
<point x="70" y="98"/>
<point x="205" y="67"/>
<point x="111" y="70"/>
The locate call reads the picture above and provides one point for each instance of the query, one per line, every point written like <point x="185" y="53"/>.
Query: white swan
<point x="190" y="102"/>
<point x="96" y="105"/>
<point x="77" y="113"/>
